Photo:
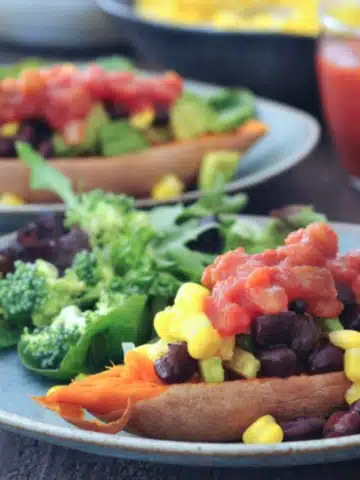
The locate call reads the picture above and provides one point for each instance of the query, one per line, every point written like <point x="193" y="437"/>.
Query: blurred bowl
<point x="274" y="65"/>
<point x="65" y="24"/>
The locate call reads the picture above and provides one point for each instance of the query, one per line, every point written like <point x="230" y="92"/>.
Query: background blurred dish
<point x="273" y="65"/>
<point x="293" y="134"/>
<point x="65" y="24"/>
<point x="286" y="16"/>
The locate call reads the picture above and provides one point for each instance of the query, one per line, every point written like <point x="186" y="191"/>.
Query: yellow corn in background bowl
<point x="287" y="16"/>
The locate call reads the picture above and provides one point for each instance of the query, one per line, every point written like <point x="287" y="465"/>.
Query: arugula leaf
<point x="190" y="263"/>
<point x="164" y="218"/>
<point x="123" y="324"/>
<point x="44" y="176"/>
<point x="238" y="232"/>
<point x="215" y="202"/>
<point x="115" y="63"/>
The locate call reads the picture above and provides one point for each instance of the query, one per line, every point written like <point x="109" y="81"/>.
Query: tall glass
<point x="338" y="66"/>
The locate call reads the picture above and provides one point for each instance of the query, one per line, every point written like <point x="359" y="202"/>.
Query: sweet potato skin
<point x="221" y="412"/>
<point x="135" y="173"/>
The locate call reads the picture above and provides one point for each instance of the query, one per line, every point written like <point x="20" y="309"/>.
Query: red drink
<point x="338" y="65"/>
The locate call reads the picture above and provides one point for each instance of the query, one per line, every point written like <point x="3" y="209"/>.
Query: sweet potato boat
<point x="133" y="174"/>
<point x="221" y="412"/>
<point x="194" y="411"/>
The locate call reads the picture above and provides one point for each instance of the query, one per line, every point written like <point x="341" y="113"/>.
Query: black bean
<point x="350" y="317"/>
<point x="278" y="362"/>
<point x="7" y="148"/>
<point x="303" y="429"/>
<point x="26" y="134"/>
<point x="355" y="407"/>
<point x="115" y="110"/>
<point x="306" y="335"/>
<point x="45" y="148"/>
<point x="345" y="294"/>
<point x="325" y="359"/>
<point x="341" y="424"/>
<point x="274" y="330"/>
<point x="176" y="366"/>
<point x="298" y="306"/>
<point x="162" y="118"/>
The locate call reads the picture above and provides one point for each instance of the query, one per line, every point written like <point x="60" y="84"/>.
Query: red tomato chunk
<point x="244" y="286"/>
<point x="64" y="94"/>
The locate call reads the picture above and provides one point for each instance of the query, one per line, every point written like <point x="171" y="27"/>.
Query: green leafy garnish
<point x="119" y="137"/>
<point x="15" y="70"/>
<point x="191" y="117"/>
<point x="115" y="63"/>
<point x="43" y="175"/>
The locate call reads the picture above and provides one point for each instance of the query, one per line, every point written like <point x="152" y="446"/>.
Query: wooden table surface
<point x="320" y="181"/>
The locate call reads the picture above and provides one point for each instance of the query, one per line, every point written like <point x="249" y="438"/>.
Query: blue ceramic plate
<point x="293" y="135"/>
<point x="20" y="414"/>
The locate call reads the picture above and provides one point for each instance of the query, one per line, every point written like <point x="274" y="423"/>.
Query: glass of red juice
<point x="338" y="68"/>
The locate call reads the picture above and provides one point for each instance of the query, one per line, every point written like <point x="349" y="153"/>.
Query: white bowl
<point x="65" y="24"/>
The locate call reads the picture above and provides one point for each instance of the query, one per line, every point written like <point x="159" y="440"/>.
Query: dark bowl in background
<point x="273" y="65"/>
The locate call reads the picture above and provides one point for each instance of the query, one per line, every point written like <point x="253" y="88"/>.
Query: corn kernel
<point x="352" y="364"/>
<point x="53" y="389"/>
<point x="190" y="298"/>
<point x="11" y="200"/>
<point x="163" y="323"/>
<point x="167" y="187"/>
<point x="345" y="339"/>
<point x="353" y="393"/>
<point x="205" y="343"/>
<point x="244" y="363"/>
<point x="9" y="129"/>
<point x="143" y="119"/>
<point x="227" y="348"/>
<point x="154" y="351"/>
<point x="263" y="431"/>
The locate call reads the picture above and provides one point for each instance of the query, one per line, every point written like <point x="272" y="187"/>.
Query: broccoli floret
<point x="34" y="293"/>
<point x="64" y="291"/>
<point x="21" y="292"/>
<point x="87" y="268"/>
<point x="99" y="213"/>
<point x="46" y="347"/>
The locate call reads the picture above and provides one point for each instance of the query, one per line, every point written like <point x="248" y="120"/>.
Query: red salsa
<point x="63" y="95"/>
<point x="307" y="267"/>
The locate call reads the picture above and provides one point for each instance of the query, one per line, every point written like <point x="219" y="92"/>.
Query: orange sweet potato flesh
<point x="221" y="412"/>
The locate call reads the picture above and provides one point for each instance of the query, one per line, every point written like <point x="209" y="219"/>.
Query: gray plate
<point x="293" y="135"/>
<point x="20" y="414"/>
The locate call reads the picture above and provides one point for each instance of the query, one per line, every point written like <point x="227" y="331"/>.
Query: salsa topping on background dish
<point x="100" y="109"/>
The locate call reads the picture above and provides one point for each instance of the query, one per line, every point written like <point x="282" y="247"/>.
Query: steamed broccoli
<point x="99" y="213"/>
<point x="84" y="341"/>
<point x="87" y="268"/>
<point x="35" y="294"/>
<point x="48" y="346"/>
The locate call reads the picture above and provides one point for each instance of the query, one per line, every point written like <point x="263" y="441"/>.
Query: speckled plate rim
<point x="250" y="180"/>
<point x="134" y="446"/>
